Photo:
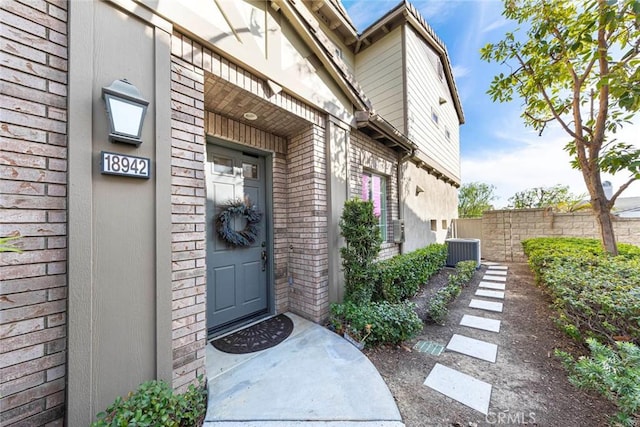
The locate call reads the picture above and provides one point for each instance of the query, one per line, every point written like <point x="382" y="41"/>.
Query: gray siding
<point x="424" y="89"/>
<point x="379" y="72"/>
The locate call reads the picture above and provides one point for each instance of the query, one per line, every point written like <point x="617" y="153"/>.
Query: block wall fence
<point x="502" y="231"/>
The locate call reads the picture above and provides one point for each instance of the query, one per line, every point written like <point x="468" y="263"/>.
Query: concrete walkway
<point x="314" y="378"/>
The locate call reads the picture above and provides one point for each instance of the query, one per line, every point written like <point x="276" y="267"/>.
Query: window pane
<point x="375" y="194"/>
<point x="250" y="170"/>
<point x="365" y="187"/>
<point x="223" y="165"/>
<point x="374" y="188"/>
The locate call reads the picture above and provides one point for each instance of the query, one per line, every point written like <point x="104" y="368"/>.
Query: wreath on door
<point x="224" y="223"/>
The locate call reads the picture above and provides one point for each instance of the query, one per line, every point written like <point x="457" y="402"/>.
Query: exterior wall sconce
<point x="419" y="190"/>
<point x="126" y="109"/>
<point x="442" y="101"/>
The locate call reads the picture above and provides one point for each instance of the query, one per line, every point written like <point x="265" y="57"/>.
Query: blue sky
<point x="496" y="147"/>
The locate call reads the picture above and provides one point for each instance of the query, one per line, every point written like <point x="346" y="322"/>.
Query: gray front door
<point x="237" y="286"/>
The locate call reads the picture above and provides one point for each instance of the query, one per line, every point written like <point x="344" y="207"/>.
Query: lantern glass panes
<point x="126" y="110"/>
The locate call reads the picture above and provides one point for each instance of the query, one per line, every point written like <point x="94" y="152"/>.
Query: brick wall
<point x="307" y="224"/>
<point x="366" y="153"/>
<point x="188" y="217"/>
<point x="33" y="202"/>
<point x="502" y="231"/>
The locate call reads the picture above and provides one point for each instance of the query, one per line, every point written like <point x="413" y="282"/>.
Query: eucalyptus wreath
<point x="224" y="223"/>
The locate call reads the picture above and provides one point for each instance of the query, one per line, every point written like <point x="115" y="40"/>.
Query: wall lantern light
<point x="126" y="109"/>
<point x="419" y="190"/>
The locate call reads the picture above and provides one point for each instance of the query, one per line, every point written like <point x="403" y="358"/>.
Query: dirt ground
<point x="530" y="385"/>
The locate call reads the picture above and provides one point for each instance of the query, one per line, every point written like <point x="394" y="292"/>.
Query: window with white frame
<point x="374" y="188"/>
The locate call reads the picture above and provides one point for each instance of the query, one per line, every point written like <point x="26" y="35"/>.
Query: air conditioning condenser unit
<point x="463" y="250"/>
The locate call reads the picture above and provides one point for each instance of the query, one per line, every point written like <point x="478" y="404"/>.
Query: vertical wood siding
<point x="424" y="89"/>
<point x="379" y="72"/>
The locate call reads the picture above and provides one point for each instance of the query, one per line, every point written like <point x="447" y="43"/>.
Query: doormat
<point x="258" y="337"/>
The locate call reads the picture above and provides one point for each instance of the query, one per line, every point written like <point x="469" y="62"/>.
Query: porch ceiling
<point x="227" y="99"/>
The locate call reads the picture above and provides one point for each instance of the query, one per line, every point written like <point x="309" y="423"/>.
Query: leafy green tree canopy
<point x="558" y="197"/>
<point x="577" y="64"/>
<point x="475" y="198"/>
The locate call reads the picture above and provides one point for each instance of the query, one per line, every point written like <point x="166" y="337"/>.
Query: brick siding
<point x="366" y="153"/>
<point x="188" y="219"/>
<point x="33" y="167"/>
<point x="307" y="224"/>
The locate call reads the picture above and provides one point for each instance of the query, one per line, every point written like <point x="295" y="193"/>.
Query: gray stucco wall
<point x="436" y="205"/>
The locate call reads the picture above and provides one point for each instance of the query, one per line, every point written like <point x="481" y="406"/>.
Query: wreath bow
<point x="224" y="223"/>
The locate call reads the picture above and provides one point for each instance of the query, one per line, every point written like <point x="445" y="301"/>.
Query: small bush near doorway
<point x="155" y="404"/>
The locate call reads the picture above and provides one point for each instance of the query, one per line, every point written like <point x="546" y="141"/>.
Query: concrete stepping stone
<point x="491" y="285"/>
<point x="498" y="267"/>
<point x="486" y="305"/>
<point x="497" y="272"/>
<point x="490" y="294"/>
<point x="494" y="278"/>
<point x="461" y="387"/>
<point x="484" y="323"/>
<point x="472" y="347"/>
<point x="490" y="263"/>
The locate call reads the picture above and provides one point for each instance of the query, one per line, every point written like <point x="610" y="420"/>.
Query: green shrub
<point x="155" y="404"/>
<point x="400" y="277"/>
<point x="377" y="322"/>
<point x="612" y="372"/>
<point x="438" y="309"/>
<point x="359" y="227"/>
<point x="595" y="295"/>
<point x="597" y="298"/>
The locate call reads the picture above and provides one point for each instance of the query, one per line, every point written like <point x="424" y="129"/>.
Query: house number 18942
<point x="119" y="164"/>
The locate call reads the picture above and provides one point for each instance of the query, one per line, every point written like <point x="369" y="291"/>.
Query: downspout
<point x="401" y="159"/>
<point x="405" y="110"/>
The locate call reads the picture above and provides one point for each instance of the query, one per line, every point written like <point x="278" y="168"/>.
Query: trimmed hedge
<point x="595" y="295"/>
<point x="389" y="318"/>
<point x="400" y="277"/>
<point x="377" y="322"/>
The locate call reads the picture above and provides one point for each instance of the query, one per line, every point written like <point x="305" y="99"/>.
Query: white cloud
<point x="534" y="162"/>
<point x="460" y="71"/>
<point x="499" y="23"/>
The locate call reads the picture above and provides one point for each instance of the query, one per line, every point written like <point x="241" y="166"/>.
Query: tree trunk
<point x="601" y="209"/>
<point x="606" y="232"/>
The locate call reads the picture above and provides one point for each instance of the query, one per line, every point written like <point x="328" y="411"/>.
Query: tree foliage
<point x="474" y="198"/>
<point x="558" y="197"/>
<point x="577" y="65"/>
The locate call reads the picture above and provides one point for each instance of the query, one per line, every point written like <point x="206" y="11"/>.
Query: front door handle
<point x="264" y="260"/>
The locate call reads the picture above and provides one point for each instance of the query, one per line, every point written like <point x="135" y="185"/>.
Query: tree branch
<point x="555" y="114"/>
<point x="623" y="187"/>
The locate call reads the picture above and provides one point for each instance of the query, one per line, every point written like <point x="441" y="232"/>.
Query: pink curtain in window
<point x="365" y="187"/>
<point x="375" y="190"/>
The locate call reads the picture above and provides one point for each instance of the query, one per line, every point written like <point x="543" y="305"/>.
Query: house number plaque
<point x="120" y="164"/>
